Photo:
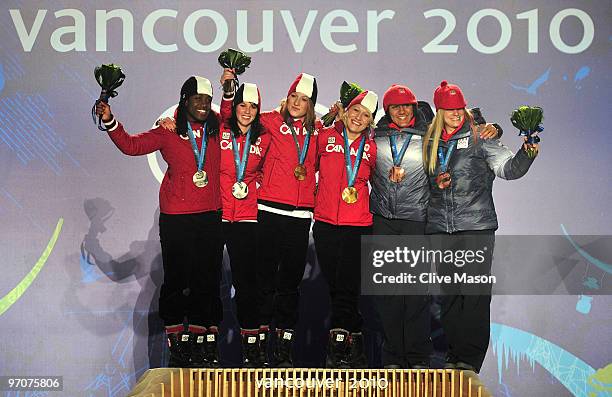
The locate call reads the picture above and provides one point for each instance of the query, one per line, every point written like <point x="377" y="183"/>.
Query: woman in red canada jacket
<point x="189" y="221"/>
<point x="243" y="147"/>
<point x="285" y="203"/>
<point x="347" y="157"/>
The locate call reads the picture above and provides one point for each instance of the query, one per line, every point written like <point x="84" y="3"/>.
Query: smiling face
<point x="297" y="105"/>
<point x="453" y="118"/>
<point x="198" y="107"/>
<point x="401" y="114"/>
<point x="357" y="118"/>
<point x="245" y="114"/>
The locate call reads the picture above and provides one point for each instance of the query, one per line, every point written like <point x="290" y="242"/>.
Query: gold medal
<point x="397" y="174"/>
<point x="349" y="195"/>
<point x="300" y="172"/>
<point x="240" y="190"/>
<point x="200" y="179"/>
<point x="443" y="180"/>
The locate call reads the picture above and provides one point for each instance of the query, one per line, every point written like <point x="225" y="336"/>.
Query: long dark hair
<point x="256" y="127"/>
<point x="212" y="121"/>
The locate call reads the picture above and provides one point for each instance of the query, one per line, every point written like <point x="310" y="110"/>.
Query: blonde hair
<point x="432" y="137"/>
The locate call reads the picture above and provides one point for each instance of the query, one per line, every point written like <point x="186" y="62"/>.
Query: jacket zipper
<point x="182" y="190"/>
<point x="297" y="203"/>
<point x="396" y="187"/>
<point x="338" y="204"/>
<point x="452" y="214"/>
<point x="446" y="211"/>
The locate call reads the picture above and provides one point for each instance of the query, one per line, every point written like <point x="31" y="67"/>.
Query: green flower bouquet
<point x="528" y="119"/>
<point x="109" y="77"/>
<point x="237" y="60"/>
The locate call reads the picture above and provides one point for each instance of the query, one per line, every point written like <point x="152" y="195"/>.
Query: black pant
<point x="282" y="243"/>
<point x="241" y="246"/>
<point x="339" y="255"/>
<point x="466" y="319"/>
<point x="192" y="256"/>
<point x="406" y="319"/>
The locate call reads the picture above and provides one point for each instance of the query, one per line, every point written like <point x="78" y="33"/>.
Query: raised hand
<point x="103" y="109"/>
<point x="228" y="74"/>
<point x="532" y="149"/>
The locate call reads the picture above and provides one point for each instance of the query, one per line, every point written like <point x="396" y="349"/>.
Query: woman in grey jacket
<point x="461" y="170"/>
<point x="398" y="200"/>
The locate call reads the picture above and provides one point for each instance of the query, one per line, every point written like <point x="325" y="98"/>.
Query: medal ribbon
<point x="200" y="155"/>
<point x="351" y="172"/>
<point x="444" y="160"/>
<point x="241" y="163"/>
<point x="397" y="159"/>
<point x="301" y="154"/>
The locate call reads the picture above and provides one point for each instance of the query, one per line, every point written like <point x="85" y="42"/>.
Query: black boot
<point x="284" y="347"/>
<point x="198" y="350"/>
<point x="250" y="350"/>
<point x="211" y="350"/>
<point x="450" y="361"/>
<point x="180" y="350"/>
<point x="264" y="337"/>
<point x="470" y="372"/>
<point x="419" y="364"/>
<point x="357" y="358"/>
<point x="338" y="349"/>
<point x="463" y="366"/>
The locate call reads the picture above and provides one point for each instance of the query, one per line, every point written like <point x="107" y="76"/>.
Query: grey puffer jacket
<point x="407" y="199"/>
<point x="467" y="204"/>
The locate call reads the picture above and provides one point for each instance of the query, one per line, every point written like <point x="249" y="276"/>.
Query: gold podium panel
<point x="306" y="382"/>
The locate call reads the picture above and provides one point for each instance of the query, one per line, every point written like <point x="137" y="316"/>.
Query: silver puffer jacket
<point x="407" y="199"/>
<point x="467" y="204"/>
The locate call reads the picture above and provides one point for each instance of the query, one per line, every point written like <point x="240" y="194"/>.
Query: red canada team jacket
<point x="235" y="210"/>
<point x="279" y="187"/>
<point x="177" y="194"/>
<point x="329" y="205"/>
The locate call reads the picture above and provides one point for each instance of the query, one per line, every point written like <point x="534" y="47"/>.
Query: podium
<point x="306" y="382"/>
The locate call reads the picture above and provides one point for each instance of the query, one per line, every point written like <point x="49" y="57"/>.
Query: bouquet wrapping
<point x="109" y="77"/>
